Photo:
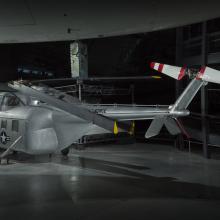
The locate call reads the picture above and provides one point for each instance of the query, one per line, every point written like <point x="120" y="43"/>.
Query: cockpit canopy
<point x="8" y="101"/>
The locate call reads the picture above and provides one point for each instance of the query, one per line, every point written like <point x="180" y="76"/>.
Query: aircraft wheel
<point x="65" y="152"/>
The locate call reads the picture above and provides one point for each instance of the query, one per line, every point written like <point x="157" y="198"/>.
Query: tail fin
<point x="172" y="71"/>
<point x="205" y="75"/>
<point x="188" y="94"/>
<point x="178" y="73"/>
<point x="181" y="104"/>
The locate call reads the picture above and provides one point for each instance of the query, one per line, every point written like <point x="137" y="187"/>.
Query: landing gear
<point x="4" y="161"/>
<point x="65" y="152"/>
<point x="14" y="152"/>
<point x="81" y="145"/>
<point x="5" y="155"/>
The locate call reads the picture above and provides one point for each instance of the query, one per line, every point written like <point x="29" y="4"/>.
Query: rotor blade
<point x="97" y="79"/>
<point x="172" y="71"/>
<point x="71" y="108"/>
<point x="209" y="75"/>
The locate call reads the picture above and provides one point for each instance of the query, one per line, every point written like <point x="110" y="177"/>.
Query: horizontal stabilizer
<point x="209" y="75"/>
<point x="155" y="127"/>
<point x="172" y="126"/>
<point x="157" y="124"/>
<point x="172" y="71"/>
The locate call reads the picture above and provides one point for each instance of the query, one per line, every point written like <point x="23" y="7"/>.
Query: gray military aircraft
<point x="37" y="119"/>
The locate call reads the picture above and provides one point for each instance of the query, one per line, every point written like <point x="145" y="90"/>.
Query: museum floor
<point x="138" y="181"/>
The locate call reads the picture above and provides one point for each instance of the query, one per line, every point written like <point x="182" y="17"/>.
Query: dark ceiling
<point x="125" y="55"/>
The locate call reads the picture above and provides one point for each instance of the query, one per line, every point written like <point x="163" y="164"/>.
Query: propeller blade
<point x="173" y="71"/>
<point x="209" y="75"/>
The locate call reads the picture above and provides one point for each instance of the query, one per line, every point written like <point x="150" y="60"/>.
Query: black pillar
<point x="204" y="96"/>
<point x="179" y="56"/>
<point x="179" y="140"/>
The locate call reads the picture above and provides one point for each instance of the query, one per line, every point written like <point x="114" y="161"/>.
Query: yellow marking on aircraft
<point x="115" y="128"/>
<point x="156" y="77"/>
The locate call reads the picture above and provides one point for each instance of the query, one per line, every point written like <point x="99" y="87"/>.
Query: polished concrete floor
<point x="138" y="181"/>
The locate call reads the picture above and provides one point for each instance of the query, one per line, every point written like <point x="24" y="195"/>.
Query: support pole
<point x="179" y="56"/>
<point x="79" y="83"/>
<point x="5" y="153"/>
<point x="204" y="96"/>
<point x="179" y="140"/>
<point x="79" y="60"/>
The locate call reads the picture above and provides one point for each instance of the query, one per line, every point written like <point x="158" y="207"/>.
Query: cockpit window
<point x="9" y="101"/>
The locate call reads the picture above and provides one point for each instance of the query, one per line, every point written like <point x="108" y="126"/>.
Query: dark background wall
<point x="52" y="57"/>
<point x="116" y="56"/>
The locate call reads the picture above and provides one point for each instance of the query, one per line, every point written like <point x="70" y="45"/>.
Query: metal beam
<point x="204" y="96"/>
<point x="179" y="57"/>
